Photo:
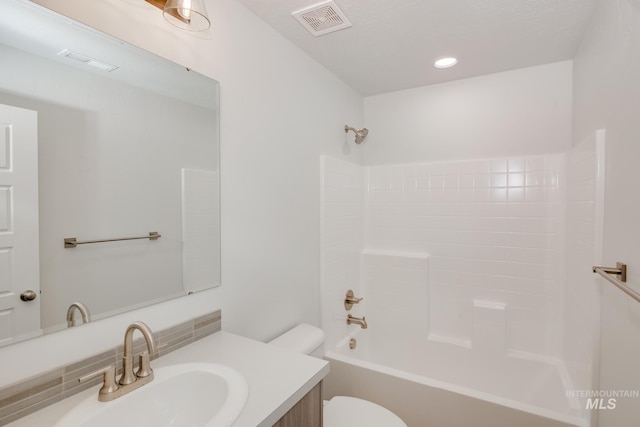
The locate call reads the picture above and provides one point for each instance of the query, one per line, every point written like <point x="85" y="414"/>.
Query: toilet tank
<point x="304" y="338"/>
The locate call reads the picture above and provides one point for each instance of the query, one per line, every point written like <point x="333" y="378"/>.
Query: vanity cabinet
<point x="306" y="413"/>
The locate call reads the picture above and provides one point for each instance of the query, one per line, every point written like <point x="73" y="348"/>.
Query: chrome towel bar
<point x="620" y="269"/>
<point x="72" y="242"/>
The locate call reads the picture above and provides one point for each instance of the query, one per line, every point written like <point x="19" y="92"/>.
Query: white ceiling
<point x="393" y="43"/>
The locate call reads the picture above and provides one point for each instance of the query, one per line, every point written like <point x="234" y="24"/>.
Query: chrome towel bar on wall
<point x="620" y="269"/>
<point x="72" y="242"/>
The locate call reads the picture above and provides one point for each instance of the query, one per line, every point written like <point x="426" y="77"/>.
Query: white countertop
<point x="277" y="378"/>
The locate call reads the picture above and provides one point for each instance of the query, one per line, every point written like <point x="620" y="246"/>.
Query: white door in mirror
<point x="19" y="253"/>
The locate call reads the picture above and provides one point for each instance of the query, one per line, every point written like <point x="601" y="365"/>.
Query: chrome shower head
<point x="361" y="134"/>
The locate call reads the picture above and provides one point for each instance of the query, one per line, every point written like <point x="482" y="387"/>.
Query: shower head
<point x="361" y="134"/>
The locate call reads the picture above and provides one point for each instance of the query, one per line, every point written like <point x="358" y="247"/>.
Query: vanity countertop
<point x="277" y="378"/>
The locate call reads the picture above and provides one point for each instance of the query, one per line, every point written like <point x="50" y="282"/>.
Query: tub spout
<point x="357" y="320"/>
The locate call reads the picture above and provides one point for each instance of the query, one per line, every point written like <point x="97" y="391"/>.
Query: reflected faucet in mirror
<point x="84" y="312"/>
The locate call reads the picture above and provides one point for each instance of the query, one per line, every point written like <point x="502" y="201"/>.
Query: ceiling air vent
<point x="322" y="18"/>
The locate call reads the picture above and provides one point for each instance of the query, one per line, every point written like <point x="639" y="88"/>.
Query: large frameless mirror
<point x="103" y="143"/>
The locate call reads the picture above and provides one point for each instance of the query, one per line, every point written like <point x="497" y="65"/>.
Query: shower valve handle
<point x="350" y="299"/>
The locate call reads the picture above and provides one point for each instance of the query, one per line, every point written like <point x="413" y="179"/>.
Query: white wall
<point x="607" y="95"/>
<point x="519" y="112"/>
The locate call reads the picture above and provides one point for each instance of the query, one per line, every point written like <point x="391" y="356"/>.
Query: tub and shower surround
<point x="457" y="261"/>
<point x="467" y="252"/>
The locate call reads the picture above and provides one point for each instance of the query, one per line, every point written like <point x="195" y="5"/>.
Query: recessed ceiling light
<point x="445" y="62"/>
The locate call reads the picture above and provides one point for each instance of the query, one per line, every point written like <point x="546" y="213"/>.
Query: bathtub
<point x="431" y="383"/>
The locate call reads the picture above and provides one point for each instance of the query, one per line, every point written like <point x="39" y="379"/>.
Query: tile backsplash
<point x="28" y="396"/>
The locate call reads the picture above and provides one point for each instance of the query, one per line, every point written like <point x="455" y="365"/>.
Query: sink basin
<point x="189" y="394"/>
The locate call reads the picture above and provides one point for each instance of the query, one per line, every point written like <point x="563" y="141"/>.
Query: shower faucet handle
<point x="350" y="299"/>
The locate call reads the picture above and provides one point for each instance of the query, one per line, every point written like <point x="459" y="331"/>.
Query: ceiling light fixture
<point x="190" y="15"/>
<point x="445" y="62"/>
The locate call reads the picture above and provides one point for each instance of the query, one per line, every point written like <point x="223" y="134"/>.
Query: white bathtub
<point x="429" y="383"/>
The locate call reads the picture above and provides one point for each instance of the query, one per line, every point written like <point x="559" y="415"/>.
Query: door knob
<point x="28" y="295"/>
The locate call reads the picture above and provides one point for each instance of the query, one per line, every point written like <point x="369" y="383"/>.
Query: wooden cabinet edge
<point x="306" y="413"/>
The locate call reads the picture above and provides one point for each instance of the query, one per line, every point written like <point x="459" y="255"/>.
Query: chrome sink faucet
<point x="129" y="381"/>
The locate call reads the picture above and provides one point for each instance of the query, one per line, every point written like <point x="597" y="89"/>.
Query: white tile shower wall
<point x="342" y="227"/>
<point x="585" y="184"/>
<point x="493" y="229"/>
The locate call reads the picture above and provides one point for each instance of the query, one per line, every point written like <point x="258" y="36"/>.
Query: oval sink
<point x="189" y="394"/>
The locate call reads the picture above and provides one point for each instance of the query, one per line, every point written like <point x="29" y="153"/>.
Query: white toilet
<point x="340" y="411"/>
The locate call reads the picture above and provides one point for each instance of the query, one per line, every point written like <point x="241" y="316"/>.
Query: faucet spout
<point x="358" y="321"/>
<point x="84" y="312"/>
<point x="144" y="370"/>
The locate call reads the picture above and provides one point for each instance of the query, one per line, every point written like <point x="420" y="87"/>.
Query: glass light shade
<point x="190" y="15"/>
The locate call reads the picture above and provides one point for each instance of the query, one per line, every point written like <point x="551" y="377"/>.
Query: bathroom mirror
<point x="127" y="144"/>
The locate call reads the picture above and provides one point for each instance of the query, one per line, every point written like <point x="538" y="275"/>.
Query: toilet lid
<point x="343" y="411"/>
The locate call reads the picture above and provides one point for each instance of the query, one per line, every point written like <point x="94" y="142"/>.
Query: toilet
<point x="340" y="411"/>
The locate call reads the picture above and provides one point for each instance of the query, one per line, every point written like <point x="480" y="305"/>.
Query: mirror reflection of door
<point x="19" y="253"/>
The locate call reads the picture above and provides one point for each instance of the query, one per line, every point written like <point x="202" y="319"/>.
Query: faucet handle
<point x="109" y="384"/>
<point x="144" y="370"/>
<point x="350" y="299"/>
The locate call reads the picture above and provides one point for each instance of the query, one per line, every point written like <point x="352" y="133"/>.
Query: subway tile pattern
<point x="28" y="396"/>
<point x="493" y="229"/>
